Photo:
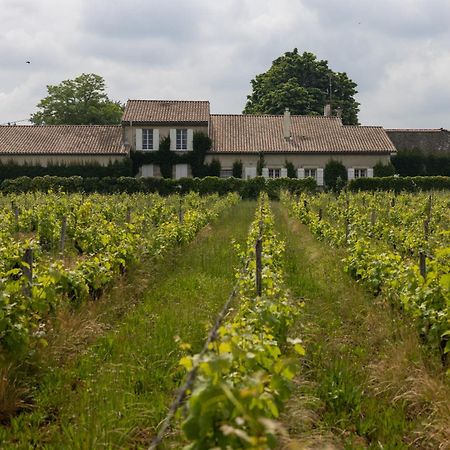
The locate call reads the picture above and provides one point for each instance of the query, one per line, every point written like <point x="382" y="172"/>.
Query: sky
<point x="397" y="51"/>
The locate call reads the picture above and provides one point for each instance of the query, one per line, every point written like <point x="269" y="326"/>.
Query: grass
<point x="366" y="382"/>
<point x="109" y="384"/>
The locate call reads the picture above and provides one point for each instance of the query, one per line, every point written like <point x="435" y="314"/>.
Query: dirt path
<point x="365" y="381"/>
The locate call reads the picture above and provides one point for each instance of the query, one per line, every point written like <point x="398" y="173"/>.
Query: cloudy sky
<point x="397" y="51"/>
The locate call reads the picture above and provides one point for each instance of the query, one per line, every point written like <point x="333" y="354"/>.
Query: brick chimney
<point x="287" y="124"/>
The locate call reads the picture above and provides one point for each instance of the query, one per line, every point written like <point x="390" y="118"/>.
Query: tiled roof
<point x="61" y="139"/>
<point x="159" y="111"/>
<point x="429" y="140"/>
<point x="310" y="134"/>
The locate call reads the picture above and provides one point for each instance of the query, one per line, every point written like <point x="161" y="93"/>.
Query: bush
<point x="237" y="169"/>
<point x="249" y="189"/>
<point x="213" y="169"/>
<point x="291" y="172"/>
<point x="398" y="184"/>
<point x="381" y="170"/>
<point x="334" y="175"/>
<point x="412" y="163"/>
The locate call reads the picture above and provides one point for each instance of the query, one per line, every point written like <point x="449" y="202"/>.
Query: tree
<point x="302" y="84"/>
<point x="81" y="101"/>
<point x="335" y="175"/>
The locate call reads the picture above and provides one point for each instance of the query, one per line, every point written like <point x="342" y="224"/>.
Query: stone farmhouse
<point x="308" y="142"/>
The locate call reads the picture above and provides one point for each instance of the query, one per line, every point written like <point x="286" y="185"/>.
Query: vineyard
<point x="214" y="340"/>
<point x="397" y="246"/>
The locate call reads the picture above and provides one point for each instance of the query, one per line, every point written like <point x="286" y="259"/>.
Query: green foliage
<point x="237" y="169"/>
<point x="213" y="168"/>
<point x="260" y="165"/>
<point x="105" y="236"/>
<point x="398" y="184"/>
<point x="245" y="375"/>
<point x="120" y="168"/>
<point x="334" y="175"/>
<point x="417" y="163"/>
<point x="382" y="170"/>
<point x="384" y="239"/>
<point x="291" y="172"/>
<point x="81" y="101"/>
<point x="166" y="158"/>
<point x="301" y="83"/>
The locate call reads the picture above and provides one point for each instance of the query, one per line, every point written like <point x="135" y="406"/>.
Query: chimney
<point x="327" y="110"/>
<point x="339" y="113"/>
<point x="287" y="124"/>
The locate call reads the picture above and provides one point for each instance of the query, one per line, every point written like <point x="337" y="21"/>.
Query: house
<point x="429" y="141"/>
<point x="308" y="142"/>
<point x="61" y="144"/>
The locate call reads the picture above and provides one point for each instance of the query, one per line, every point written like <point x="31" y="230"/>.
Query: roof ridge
<point x="168" y="101"/>
<point x="59" y="125"/>
<point x="276" y="115"/>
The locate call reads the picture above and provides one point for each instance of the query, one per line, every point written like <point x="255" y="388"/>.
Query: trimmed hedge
<point x="397" y="184"/>
<point x="121" y="168"/>
<point x="248" y="189"/>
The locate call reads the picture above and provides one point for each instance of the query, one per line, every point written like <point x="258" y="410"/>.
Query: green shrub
<point x="291" y="172"/>
<point x="382" y="170"/>
<point x="334" y="175"/>
<point x="213" y="168"/>
<point x="237" y="169"/>
<point x="398" y="184"/>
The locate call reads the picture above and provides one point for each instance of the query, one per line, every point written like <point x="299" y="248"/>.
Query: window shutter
<point x="147" y="170"/>
<point x="190" y="139"/>
<point x="320" y="176"/>
<point x="155" y="139"/>
<point x="301" y="173"/>
<point x="370" y="172"/>
<point x="283" y="172"/>
<point x="265" y="172"/>
<point x="351" y="173"/>
<point x="173" y="139"/>
<point x="139" y="139"/>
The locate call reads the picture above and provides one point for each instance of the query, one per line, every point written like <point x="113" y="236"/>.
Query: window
<point x="311" y="173"/>
<point x="226" y="173"/>
<point x="274" y="173"/>
<point x="360" y="173"/>
<point x="182" y="139"/>
<point x="147" y="139"/>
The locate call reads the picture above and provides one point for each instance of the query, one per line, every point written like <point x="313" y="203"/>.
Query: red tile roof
<point x="61" y="140"/>
<point x="158" y="111"/>
<point x="310" y="134"/>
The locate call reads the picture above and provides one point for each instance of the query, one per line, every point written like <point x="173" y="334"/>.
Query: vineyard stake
<point x="62" y="238"/>
<point x="320" y="213"/>
<point x="128" y="214"/>
<point x="180" y="211"/>
<point x="27" y="269"/>
<point x="373" y="218"/>
<point x="258" y="255"/>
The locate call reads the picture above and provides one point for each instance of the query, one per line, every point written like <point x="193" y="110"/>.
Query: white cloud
<point x="396" y="50"/>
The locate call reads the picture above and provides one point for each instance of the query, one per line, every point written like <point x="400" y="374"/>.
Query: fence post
<point x="27" y="270"/>
<point x="62" y="238"/>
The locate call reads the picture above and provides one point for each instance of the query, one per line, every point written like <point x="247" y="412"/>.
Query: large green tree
<point x="81" y="101"/>
<point x="302" y="84"/>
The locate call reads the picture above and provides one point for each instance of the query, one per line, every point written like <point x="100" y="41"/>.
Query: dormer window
<point x="182" y="139"/>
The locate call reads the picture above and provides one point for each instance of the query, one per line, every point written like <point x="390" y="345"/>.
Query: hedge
<point x="397" y="184"/>
<point x="122" y="168"/>
<point x="248" y="189"/>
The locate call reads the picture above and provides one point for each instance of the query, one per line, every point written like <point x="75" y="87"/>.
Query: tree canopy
<point x="302" y="84"/>
<point x="81" y="101"/>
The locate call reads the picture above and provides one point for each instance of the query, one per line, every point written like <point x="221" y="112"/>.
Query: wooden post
<point x="373" y="217"/>
<point x="62" y="238"/>
<point x="15" y="211"/>
<point x="347" y="219"/>
<point x="27" y="270"/>
<point x="258" y="253"/>
<point x="320" y="213"/>
<point x="180" y="211"/>
<point x="426" y="234"/>
<point x="128" y="219"/>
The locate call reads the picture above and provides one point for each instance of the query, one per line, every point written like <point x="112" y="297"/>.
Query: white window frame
<point x="360" y="172"/>
<point x="147" y="139"/>
<point x="311" y="172"/>
<point x="274" y="172"/>
<point x="181" y="139"/>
